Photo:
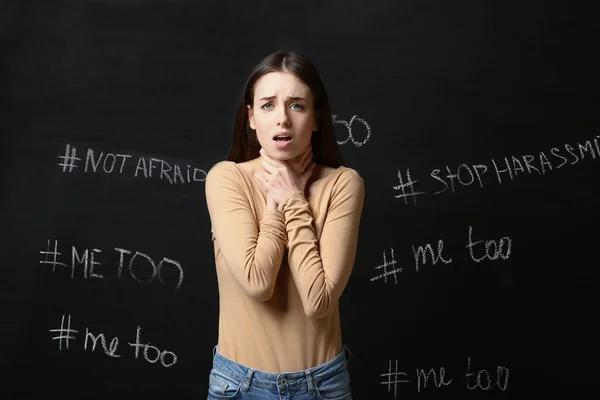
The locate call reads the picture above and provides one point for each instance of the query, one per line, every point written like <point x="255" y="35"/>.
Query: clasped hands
<point x="279" y="178"/>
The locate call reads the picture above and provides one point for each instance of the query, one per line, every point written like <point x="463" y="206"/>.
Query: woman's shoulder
<point x="222" y="169"/>
<point x="222" y="166"/>
<point x="347" y="179"/>
<point x="346" y="173"/>
<point x="232" y="172"/>
<point x="343" y="171"/>
<point x="339" y="180"/>
<point x="323" y="171"/>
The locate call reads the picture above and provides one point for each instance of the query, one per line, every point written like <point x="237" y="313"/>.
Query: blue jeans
<point x="328" y="381"/>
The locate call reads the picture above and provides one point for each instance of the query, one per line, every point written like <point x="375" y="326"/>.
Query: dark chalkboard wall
<point x="475" y="126"/>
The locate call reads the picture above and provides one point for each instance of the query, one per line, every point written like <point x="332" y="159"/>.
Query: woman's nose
<point x="283" y="116"/>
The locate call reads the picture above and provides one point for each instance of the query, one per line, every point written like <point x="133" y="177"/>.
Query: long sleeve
<point x="322" y="269"/>
<point x="252" y="253"/>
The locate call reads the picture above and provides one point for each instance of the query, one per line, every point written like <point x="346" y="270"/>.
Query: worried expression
<point x="282" y="115"/>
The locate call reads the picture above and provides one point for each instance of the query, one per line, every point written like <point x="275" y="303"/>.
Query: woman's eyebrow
<point x="295" y="98"/>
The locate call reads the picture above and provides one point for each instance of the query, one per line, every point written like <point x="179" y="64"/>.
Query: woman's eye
<point x="298" y="106"/>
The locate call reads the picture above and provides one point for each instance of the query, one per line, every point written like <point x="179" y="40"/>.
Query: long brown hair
<point x="245" y="145"/>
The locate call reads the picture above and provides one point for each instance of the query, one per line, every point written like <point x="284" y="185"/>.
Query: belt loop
<point x="310" y="382"/>
<point x="215" y="350"/>
<point x="247" y="380"/>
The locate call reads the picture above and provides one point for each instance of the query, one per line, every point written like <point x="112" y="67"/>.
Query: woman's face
<point x="283" y="107"/>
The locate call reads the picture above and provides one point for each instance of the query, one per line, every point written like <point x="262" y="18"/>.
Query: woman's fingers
<point x="268" y="166"/>
<point x="263" y="177"/>
<point x="267" y="158"/>
<point x="267" y="177"/>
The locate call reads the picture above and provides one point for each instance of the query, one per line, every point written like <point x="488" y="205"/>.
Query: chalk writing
<point x="70" y="159"/>
<point x="403" y="186"/>
<point x="149" y="353"/>
<point x="493" y="248"/>
<point x="385" y="266"/>
<point x="65" y="334"/>
<point x="110" y="350"/>
<point x="392" y="378"/>
<point x="465" y="175"/>
<point x="143" y="167"/>
<point x="422" y="251"/>
<point x="138" y="266"/>
<point x="484" y="381"/>
<point x="502" y="170"/>
<point x="436" y="378"/>
<point x="478" y="250"/>
<point x="348" y="125"/>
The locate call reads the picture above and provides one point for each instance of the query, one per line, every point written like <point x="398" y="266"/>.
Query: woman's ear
<point x="250" y="117"/>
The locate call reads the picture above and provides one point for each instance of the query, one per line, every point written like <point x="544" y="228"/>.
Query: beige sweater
<point x="281" y="272"/>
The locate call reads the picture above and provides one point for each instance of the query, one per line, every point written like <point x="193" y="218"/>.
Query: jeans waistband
<point x="271" y="380"/>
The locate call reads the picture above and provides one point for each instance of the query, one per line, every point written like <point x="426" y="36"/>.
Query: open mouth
<point x="282" y="138"/>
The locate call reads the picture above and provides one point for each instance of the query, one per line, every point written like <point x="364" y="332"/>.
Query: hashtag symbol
<point x="64" y="334"/>
<point x="54" y="253"/>
<point x="392" y="378"/>
<point x="69" y="159"/>
<point x="385" y="266"/>
<point x="410" y="185"/>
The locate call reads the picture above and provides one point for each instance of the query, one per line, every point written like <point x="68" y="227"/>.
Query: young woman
<point x="285" y="215"/>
